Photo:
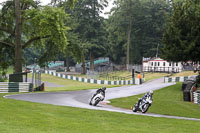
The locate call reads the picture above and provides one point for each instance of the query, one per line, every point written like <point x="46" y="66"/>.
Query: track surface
<point x="81" y="98"/>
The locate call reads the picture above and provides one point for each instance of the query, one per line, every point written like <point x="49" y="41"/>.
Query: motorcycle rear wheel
<point x="134" y="109"/>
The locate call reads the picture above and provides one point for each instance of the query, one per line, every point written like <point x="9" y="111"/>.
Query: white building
<point x="160" y="65"/>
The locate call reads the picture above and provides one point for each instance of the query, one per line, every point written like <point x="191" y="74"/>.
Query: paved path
<point x="81" y="98"/>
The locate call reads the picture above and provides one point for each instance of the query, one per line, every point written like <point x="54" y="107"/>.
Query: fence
<point x="94" y="81"/>
<point x="107" y="76"/>
<point x="92" y="74"/>
<point x="162" y="69"/>
<point x="36" y="81"/>
<point x="177" y="79"/>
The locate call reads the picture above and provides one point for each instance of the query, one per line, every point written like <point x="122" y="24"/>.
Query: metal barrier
<point x="6" y="87"/>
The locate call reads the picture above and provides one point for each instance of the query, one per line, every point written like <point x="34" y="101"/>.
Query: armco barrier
<point x="6" y="87"/>
<point x="93" y="81"/>
<point x="176" y="79"/>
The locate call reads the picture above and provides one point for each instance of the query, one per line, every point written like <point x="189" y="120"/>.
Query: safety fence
<point x="177" y="79"/>
<point x="197" y="97"/>
<point x="6" y="87"/>
<point x="94" y="81"/>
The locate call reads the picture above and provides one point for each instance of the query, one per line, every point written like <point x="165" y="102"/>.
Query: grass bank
<point x="27" y="117"/>
<point x="69" y="84"/>
<point x="168" y="101"/>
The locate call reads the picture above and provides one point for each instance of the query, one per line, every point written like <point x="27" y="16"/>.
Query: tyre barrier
<point x="186" y="95"/>
<point x="197" y="97"/>
<point x="188" y="87"/>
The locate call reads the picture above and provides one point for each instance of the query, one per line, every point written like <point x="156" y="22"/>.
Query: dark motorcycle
<point x="143" y="104"/>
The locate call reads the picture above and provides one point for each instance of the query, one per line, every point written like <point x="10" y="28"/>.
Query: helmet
<point x="150" y="92"/>
<point x="103" y="88"/>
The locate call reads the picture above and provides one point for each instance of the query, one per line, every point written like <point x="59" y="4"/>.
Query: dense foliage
<point x="26" y="23"/>
<point x="78" y="31"/>
<point x="147" y="19"/>
<point x="182" y="36"/>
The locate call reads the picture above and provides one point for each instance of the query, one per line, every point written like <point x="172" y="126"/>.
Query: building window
<point x="158" y="63"/>
<point x="151" y="63"/>
<point x="155" y="64"/>
<point x="170" y="64"/>
<point x="163" y="63"/>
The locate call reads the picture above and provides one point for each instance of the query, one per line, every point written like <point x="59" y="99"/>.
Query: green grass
<point x="168" y="101"/>
<point x="184" y="73"/>
<point x="150" y="76"/>
<point x="10" y="70"/>
<point x="26" y="117"/>
<point x="69" y="84"/>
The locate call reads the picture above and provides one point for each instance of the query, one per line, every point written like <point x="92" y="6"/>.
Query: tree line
<point x="75" y="30"/>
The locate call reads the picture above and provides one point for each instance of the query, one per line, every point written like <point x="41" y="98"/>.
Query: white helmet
<point x="150" y="92"/>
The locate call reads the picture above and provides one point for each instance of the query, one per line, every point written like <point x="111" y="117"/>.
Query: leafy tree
<point x="182" y="35"/>
<point x="90" y="26"/>
<point x="136" y="25"/>
<point x="24" y="23"/>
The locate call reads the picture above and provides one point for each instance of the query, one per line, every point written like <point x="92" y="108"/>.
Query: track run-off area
<point x="80" y="99"/>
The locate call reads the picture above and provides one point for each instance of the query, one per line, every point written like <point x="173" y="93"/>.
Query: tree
<point x="24" y="23"/>
<point x="90" y="26"/>
<point x="135" y="28"/>
<point x="182" y="35"/>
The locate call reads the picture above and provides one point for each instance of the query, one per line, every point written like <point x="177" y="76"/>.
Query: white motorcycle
<point x="97" y="98"/>
<point x="143" y="105"/>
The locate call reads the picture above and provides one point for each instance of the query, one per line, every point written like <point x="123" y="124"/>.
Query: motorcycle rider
<point x="103" y="89"/>
<point x="150" y="93"/>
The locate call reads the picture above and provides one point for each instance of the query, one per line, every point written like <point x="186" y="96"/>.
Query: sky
<point x="45" y="2"/>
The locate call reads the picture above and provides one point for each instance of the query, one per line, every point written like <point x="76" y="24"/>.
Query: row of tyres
<point x="189" y="87"/>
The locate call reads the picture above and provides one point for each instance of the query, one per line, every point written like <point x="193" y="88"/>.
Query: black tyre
<point x="188" y="89"/>
<point x="145" y="107"/>
<point x="186" y="83"/>
<point x="134" y="108"/>
<point x="97" y="101"/>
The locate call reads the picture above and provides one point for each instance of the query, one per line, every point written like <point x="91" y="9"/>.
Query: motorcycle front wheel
<point x="145" y="107"/>
<point x="97" y="101"/>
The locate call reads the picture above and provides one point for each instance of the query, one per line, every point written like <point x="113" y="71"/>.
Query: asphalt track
<point x="81" y="98"/>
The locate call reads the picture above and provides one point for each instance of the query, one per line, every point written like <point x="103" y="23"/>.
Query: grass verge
<point x="69" y="84"/>
<point x="27" y="117"/>
<point x="167" y="101"/>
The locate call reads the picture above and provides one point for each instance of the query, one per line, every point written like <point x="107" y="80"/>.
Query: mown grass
<point x="150" y="76"/>
<point x="184" y="73"/>
<point x="167" y="101"/>
<point x="69" y="84"/>
<point x="27" y="117"/>
<point x="122" y="74"/>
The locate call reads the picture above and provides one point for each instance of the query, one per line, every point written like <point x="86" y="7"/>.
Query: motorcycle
<point x="97" y="98"/>
<point x="143" y="104"/>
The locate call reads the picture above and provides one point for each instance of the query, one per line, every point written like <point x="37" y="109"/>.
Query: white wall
<point x="161" y="65"/>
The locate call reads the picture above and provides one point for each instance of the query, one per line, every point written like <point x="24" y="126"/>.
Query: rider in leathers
<point x="150" y="93"/>
<point x="100" y="90"/>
